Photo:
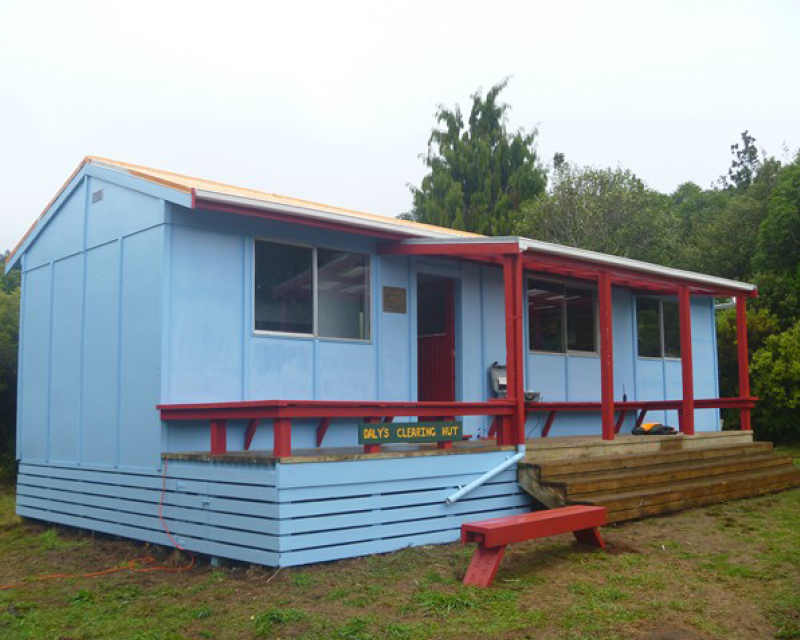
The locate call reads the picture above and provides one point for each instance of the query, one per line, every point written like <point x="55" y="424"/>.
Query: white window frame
<point x="314" y="294"/>
<point x="661" y="300"/>
<point x="574" y="285"/>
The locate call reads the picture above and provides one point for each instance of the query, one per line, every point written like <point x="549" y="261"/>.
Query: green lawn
<point x="728" y="571"/>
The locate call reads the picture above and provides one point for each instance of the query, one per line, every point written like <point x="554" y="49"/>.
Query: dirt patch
<point x="673" y="633"/>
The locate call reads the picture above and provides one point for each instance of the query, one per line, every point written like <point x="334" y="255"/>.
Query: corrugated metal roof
<point x="189" y="183"/>
<point x="264" y="199"/>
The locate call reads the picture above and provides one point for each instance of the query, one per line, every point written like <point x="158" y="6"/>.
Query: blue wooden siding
<point x="281" y="515"/>
<point x="91" y="320"/>
<point x="214" y="354"/>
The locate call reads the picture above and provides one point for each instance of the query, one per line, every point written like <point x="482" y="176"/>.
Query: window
<point x="561" y="317"/>
<point x="284" y="283"/>
<point x="658" y="328"/>
<point x="343" y="294"/>
<point x="310" y="291"/>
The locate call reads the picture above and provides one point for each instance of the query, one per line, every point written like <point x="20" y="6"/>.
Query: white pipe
<point x="508" y="462"/>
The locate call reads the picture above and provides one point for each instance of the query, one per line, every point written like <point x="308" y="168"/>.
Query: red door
<point x="436" y="339"/>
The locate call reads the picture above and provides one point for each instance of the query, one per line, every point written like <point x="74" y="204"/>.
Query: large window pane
<point x="283" y="288"/>
<point x="672" y="329"/>
<point x="648" y="327"/>
<point x="343" y="285"/>
<point x="546" y="316"/>
<point x="581" y="332"/>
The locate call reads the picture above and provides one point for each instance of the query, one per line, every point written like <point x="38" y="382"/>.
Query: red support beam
<point x="640" y="418"/>
<point x="219" y="437"/>
<point x="199" y="203"/>
<point x="685" y="313"/>
<point x="620" y="420"/>
<point x="549" y="423"/>
<point x="322" y="429"/>
<point x="282" y="437"/>
<point x="744" y="369"/>
<point x="606" y="355"/>
<point x="250" y="433"/>
<point x="452" y="248"/>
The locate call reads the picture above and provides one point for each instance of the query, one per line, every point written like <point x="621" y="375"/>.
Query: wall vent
<point x="97" y="196"/>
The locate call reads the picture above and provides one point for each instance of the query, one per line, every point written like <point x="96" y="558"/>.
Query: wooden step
<point x="686" y="494"/>
<point x="663" y="474"/>
<point x="610" y="463"/>
<point x="671" y="507"/>
<point x="582" y="447"/>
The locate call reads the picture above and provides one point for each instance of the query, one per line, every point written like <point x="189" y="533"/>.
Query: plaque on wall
<point x="394" y="300"/>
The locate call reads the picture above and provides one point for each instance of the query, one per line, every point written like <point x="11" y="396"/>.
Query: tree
<point x="744" y="165"/>
<point x="9" y="342"/>
<point x="779" y="234"/>
<point x="480" y="173"/>
<point x="608" y="210"/>
<point x="776" y="381"/>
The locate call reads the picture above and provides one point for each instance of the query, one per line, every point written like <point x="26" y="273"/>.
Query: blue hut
<point x="312" y="383"/>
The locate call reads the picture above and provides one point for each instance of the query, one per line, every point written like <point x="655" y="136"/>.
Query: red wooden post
<point x="484" y="565"/>
<point x="282" y="437"/>
<point x="606" y="354"/>
<point x="219" y="437"/>
<point x="505" y="433"/>
<point x="513" y="429"/>
<point x="744" y="369"/>
<point x="685" y="313"/>
<point x="519" y="345"/>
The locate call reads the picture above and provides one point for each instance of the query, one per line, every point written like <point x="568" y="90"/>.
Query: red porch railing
<point x="282" y="412"/>
<point x="642" y="406"/>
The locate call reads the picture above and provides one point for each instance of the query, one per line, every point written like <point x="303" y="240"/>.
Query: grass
<point x="729" y="571"/>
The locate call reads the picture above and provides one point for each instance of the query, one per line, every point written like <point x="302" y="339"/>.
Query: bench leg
<point x="484" y="565"/>
<point x="590" y="537"/>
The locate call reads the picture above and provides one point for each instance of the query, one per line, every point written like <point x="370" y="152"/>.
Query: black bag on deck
<point x="653" y="429"/>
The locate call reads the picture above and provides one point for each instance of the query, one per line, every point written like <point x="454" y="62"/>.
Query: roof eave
<point x="390" y="226"/>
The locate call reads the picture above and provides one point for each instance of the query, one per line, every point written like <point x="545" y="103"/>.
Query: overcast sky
<point x="334" y="101"/>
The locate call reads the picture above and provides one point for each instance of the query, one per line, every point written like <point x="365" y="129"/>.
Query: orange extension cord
<point x="145" y="564"/>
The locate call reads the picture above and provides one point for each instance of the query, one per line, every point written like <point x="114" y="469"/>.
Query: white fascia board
<point x="450" y="240"/>
<point x="328" y="216"/>
<point x="634" y="265"/>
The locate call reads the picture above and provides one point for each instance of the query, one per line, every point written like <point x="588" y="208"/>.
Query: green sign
<point x="383" y="433"/>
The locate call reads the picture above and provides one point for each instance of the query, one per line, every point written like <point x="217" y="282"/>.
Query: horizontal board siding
<point x="359" y="472"/>
<point x="261" y="475"/>
<point x="367" y="506"/>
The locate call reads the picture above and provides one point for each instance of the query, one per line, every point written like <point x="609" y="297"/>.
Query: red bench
<point x="494" y="535"/>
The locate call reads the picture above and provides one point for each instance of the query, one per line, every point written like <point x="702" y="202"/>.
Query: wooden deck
<point x="340" y="454"/>
<point x="640" y="476"/>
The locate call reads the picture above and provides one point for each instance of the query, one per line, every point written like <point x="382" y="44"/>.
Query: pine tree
<point x="480" y="174"/>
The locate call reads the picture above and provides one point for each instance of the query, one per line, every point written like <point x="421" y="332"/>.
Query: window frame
<point x="661" y="300"/>
<point x="314" y="335"/>
<point x="566" y="283"/>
